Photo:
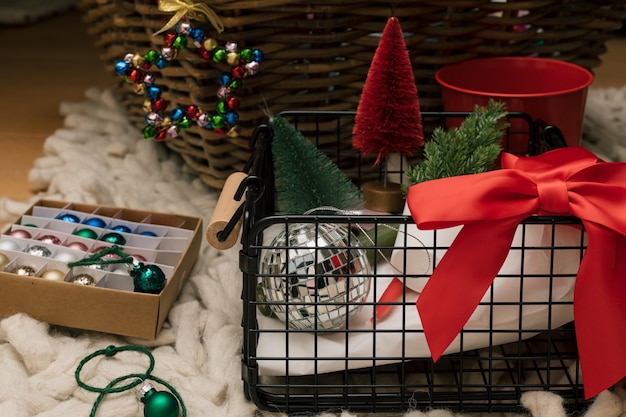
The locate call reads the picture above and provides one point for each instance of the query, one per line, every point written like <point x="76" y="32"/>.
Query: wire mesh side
<point x="317" y="369"/>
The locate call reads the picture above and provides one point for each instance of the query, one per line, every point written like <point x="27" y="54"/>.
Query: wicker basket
<point x="318" y="53"/>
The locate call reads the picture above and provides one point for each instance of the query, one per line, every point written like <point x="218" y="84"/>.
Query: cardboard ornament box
<point x="170" y="241"/>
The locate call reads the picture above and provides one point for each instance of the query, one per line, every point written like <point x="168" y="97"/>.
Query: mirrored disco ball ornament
<point x="314" y="279"/>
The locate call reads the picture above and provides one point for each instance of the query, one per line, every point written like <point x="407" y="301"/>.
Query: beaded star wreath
<point x="135" y="70"/>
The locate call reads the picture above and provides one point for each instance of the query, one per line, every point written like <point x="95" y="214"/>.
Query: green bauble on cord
<point x="159" y="403"/>
<point x="156" y="403"/>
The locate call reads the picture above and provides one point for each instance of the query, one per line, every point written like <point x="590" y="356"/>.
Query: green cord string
<point x="111" y="387"/>
<point x="95" y="259"/>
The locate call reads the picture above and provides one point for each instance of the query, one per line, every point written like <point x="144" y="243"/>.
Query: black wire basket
<point x="314" y="340"/>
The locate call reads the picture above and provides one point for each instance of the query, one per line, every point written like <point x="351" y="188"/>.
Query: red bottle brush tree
<point x="388" y="118"/>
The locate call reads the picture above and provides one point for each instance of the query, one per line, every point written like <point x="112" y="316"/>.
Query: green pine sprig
<point x="471" y="148"/>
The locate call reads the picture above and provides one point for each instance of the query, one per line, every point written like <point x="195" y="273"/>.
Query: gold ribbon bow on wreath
<point x="193" y="11"/>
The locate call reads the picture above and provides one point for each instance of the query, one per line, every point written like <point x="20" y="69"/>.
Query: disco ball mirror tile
<point x="315" y="276"/>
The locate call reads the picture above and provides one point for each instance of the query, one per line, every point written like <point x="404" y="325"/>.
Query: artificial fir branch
<point x="305" y="177"/>
<point x="469" y="149"/>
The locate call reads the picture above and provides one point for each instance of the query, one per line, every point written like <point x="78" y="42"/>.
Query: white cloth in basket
<point x="540" y="301"/>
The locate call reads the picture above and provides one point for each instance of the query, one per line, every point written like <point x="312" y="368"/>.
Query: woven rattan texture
<point x="317" y="53"/>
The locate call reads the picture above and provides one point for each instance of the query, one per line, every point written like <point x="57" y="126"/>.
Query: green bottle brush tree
<point x="305" y="177"/>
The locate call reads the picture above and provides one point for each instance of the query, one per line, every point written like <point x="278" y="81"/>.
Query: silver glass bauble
<point x="38" y="250"/>
<point x="314" y="276"/>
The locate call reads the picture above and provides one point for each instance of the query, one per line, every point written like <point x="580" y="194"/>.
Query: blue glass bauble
<point x="95" y="222"/>
<point x="120" y="228"/>
<point x="70" y="218"/>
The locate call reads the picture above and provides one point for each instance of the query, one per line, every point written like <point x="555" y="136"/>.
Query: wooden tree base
<point x="383" y="197"/>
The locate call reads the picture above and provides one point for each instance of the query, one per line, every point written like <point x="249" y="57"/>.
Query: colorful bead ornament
<point x="135" y="70"/>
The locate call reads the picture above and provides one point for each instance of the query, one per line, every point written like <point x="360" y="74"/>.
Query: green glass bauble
<point x="159" y="403"/>
<point x="148" y="278"/>
<point x="86" y="233"/>
<point x="114" y="238"/>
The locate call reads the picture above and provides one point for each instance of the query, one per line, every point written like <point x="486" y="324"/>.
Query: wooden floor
<point x="54" y="60"/>
<point x="45" y="63"/>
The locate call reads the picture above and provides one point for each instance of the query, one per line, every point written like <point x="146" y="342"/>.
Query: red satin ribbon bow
<point x="567" y="181"/>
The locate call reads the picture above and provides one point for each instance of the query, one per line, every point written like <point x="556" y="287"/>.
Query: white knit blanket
<point x="99" y="158"/>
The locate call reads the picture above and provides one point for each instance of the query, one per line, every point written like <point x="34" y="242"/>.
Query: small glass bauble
<point x="78" y="246"/>
<point x="20" y="233"/>
<point x="95" y="222"/>
<point x="114" y="238"/>
<point x="9" y="245"/>
<point x="86" y="233"/>
<point x="24" y="270"/>
<point x="53" y="275"/>
<point x="38" y="250"/>
<point x="51" y="239"/>
<point x="70" y="218"/>
<point x="120" y="228"/>
<point x="83" y="279"/>
<point x="315" y="276"/>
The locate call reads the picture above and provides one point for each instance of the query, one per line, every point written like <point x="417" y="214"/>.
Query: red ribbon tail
<point x="600" y="310"/>
<point x="461" y="279"/>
